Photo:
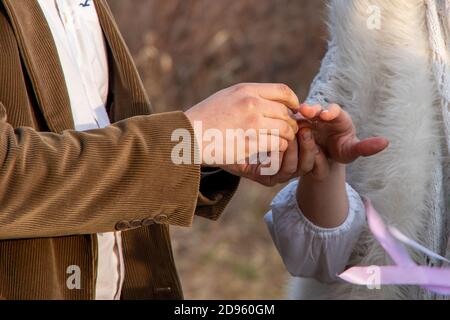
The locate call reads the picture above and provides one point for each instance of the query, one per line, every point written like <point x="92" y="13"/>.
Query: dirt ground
<point x="189" y="49"/>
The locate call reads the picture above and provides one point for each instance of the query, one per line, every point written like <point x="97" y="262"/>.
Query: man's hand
<point x="287" y="168"/>
<point x="301" y="158"/>
<point x="264" y="109"/>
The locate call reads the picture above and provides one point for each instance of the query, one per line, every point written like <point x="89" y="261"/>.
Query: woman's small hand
<point x="312" y="160"/>
<point x="335" y="133"/>
<point x="327" y="141"/>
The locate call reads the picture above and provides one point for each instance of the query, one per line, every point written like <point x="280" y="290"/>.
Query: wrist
<point x="325" y="202"/>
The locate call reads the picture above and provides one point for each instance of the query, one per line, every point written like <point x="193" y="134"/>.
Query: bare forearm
<point x="325" y="202"/>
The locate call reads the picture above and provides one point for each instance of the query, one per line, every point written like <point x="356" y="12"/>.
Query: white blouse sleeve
<point x="310" y="251"/>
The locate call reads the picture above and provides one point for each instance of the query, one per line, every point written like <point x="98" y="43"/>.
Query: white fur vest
<point x="394" y="79"/>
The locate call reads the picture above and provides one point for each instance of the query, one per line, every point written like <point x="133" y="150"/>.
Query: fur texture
<point x="384" y="78"/>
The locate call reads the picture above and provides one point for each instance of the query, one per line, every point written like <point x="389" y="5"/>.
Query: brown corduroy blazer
<point x="58" y="187"/>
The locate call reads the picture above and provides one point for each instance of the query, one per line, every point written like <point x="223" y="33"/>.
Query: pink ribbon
<point x="406" y="271"/>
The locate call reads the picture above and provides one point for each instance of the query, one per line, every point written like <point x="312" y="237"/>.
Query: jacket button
<point x="161" y="219"/>
<point x="136" y="224"/>
<point x="122" y="226"/>
<point x="148" y="222"/>
<point x="163" y="290"/>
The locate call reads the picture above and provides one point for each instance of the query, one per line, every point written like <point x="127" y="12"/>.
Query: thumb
<point x="370" y="147"/>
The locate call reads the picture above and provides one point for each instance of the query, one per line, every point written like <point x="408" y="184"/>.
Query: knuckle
<point x="285" y="90"/>
<point x="308" y="147"/>
<point x="288" y="173"/>
<point x="292" y="170"/>
<point x="283" y="87"/>
<point x="253" y="120"/>
<point x="250" y="103"/>
<point x="287" y="131"/>
<point x="283" y="145"/>
<point x="306" y="167"/>
<point x="289" y="94"/>
<point x="241" y="88"/>
<point x="294" y="125"/>
<point x="285" y="113"/>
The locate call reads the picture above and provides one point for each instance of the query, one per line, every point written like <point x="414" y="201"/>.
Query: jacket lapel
<point x="40" y="58"/>
<point x="130" y="98"/>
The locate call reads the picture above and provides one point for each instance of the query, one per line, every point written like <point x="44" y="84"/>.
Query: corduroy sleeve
<point x="105" y="180"/>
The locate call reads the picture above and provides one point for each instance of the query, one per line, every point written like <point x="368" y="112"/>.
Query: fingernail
<point x="306" y="135"/>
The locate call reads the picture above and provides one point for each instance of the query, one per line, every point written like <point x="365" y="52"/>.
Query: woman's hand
<point x="335" y="133"/>
<point x="327" y="142"/>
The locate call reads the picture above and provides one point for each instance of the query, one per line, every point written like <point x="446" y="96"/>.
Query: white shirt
<point x="82" y="51"/>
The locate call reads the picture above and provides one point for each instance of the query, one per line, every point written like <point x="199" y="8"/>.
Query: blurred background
<point x="187" y="50"/>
